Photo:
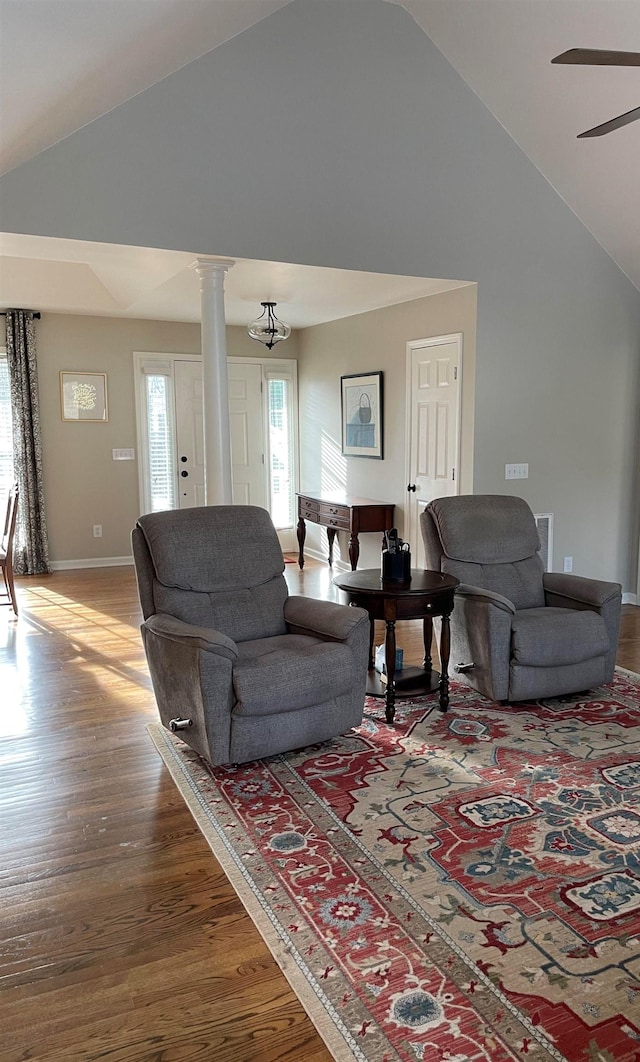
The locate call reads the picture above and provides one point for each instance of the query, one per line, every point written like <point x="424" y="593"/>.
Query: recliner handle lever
<point x="461" y="669"/>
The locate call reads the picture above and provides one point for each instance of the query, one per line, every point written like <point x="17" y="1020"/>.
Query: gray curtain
<point x="31" y="548"/>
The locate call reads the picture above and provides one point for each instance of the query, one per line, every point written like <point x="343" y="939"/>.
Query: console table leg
<point x="354" y="551"/>
<point x="301" y="533"/>
<point x="390" y="665"/>
<point x="445" y="645"/>
<point x="372" y="631"/>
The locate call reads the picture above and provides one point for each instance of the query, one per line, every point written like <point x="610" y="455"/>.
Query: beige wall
<point x="368" y="343"/>
<point x="83" y="484"/>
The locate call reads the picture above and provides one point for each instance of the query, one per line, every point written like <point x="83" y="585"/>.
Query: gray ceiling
<point x="65" y="62"/>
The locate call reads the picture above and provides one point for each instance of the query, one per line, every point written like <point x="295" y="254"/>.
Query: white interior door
<point x="434" y="380"/>
<point x="247" y="434"/>
<point x="189" y="433"/>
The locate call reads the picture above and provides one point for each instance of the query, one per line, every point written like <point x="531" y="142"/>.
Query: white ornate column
<point x="215" y="388"/>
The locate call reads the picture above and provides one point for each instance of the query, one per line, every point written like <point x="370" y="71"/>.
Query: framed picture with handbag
<point x="361" y="398"/>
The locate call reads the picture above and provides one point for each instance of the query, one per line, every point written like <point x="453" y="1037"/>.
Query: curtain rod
<point x="35" y="315"/>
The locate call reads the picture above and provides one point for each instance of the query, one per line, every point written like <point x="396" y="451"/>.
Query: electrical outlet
<point x="516" y="471"/>
<point x="568" y="564"/>
<point x="97" y="530"/>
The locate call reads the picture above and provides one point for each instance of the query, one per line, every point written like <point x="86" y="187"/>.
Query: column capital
<point x="211" y="267"/>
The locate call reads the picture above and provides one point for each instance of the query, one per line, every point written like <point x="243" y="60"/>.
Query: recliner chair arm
<point x="329" y="619"/>
<point x="561" y="590"/>
<point x="487" y="596"/>
<point x="481" y="635"/>
<point x="191" y="671"/>
<point x="175" y="630"/>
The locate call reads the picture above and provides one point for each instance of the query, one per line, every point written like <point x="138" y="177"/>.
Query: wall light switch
<point x="516" y="471"/>
<point x="124" y="455"/>
<point x="568" y="564"/>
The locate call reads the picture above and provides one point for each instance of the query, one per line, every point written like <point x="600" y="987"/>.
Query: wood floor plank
<point x="121" y="937"/>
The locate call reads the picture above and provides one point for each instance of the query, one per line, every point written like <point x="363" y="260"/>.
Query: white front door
<point x="263" y="427"/>
<point x="189" y="433"/>
<point x="247" y="434"/>
<point x="434" y="380"/>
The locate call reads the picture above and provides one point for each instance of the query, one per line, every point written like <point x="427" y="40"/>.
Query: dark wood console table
<point x="426" y="595"/>
<point x="342" y="512"/>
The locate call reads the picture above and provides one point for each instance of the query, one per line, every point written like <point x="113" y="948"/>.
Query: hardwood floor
<point x="121" y="938"/>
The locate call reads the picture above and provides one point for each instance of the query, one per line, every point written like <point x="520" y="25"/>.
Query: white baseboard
<point x="338" y="565"/>
<point x="629" y="599"/>
<point x="90" y="562"/>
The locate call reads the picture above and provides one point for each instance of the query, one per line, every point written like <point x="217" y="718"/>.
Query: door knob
<point x="183" y="458"/>
<point x="411" y="486"/>
<point x="184" y="473"/>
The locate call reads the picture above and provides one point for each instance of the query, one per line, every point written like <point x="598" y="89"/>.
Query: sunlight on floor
<point x="14" y="721"/>
<point x="91" y="646"/>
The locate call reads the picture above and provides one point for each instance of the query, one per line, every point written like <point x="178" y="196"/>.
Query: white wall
<point x="336" y="134"/>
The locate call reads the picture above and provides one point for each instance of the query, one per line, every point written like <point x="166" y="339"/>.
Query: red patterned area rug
<point x="450" y="888"/>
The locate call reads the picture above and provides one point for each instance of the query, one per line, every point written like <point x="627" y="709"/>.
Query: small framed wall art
<point x="362" y="414"/>
<point x="83" y="396"/>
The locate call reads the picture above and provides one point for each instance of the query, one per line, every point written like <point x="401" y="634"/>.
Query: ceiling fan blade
<point x="598" y="57"/>
<point x="614" y="123"/>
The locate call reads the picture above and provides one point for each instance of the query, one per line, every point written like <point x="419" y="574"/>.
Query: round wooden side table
<point x="426" y="595"/>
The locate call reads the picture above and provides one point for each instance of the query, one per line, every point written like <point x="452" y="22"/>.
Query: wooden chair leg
<point x="7" y="573"/>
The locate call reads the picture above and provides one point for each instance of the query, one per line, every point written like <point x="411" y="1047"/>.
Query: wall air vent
<point x="544" y="523"/>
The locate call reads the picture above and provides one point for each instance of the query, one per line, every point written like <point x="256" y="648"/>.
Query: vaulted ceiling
<point x="63" y="63"/>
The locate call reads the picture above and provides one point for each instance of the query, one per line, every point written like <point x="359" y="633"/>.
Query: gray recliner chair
<point x="518" y="632"/>
<point x="240" y="669"/>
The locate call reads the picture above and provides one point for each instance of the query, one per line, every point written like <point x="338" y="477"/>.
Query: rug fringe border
<point x="281" y="952"/>
<point x="629" y="674"/>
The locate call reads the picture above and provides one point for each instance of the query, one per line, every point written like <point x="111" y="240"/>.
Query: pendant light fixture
<point x="267" y="328"/>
